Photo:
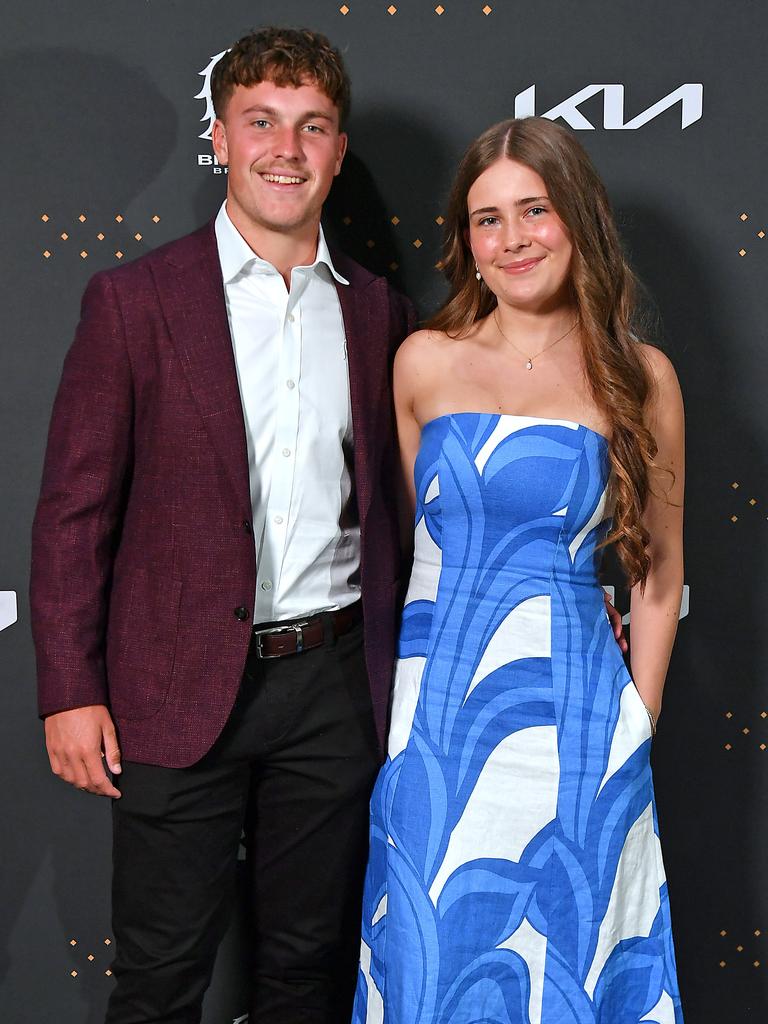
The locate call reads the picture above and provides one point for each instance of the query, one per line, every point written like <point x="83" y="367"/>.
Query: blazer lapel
<point x="367" y="375"/>
<point x="191" y="295"/>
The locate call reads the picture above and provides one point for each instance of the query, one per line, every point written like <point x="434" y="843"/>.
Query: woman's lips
<point x="521" y="266"/>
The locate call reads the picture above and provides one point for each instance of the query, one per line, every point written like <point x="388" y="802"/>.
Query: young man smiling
<point x="215" y="523"/>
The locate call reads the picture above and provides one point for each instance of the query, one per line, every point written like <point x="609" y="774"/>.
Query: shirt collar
<point x="235" y="255"/>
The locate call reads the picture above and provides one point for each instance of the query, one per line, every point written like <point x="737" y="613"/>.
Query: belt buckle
<point x="298" y="629"/>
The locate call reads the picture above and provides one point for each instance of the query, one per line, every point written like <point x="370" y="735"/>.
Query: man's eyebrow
<point x="308" y="115"/>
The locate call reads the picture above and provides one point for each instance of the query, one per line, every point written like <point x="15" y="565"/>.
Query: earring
<point x="478" y="275"/>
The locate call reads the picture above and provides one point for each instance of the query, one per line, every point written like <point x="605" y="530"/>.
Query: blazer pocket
<point x="141" y="645"/>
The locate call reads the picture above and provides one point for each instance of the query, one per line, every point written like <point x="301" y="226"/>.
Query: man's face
<point x="283" y="148"/>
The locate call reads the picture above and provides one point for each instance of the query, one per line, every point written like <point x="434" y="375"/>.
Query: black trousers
<point x="294" y="769"/>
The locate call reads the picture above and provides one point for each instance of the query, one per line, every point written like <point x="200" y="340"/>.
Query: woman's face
<point x="521" y="246"/>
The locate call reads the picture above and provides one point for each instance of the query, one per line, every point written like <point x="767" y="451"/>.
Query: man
<point x="215" y="523"/>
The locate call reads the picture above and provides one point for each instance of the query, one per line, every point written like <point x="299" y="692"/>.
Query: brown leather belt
<point x="304" y="634"/>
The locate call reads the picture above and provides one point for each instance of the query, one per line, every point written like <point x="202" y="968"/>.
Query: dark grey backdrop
<point x="101" y="122"/>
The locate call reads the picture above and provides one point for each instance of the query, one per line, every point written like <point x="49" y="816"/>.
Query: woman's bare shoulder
<point x="421" y="349"/>
<point x="659" y="365"/>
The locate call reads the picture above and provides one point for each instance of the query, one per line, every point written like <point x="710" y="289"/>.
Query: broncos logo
<point x="205" y="94"/>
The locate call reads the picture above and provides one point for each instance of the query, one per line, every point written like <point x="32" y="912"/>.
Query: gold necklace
<point x="529" y="359"/>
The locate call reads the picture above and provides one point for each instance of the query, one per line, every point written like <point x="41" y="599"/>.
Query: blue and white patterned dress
<point x="515" y="873"/>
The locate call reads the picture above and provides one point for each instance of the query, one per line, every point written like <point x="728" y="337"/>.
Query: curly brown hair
<point x="604" y="290"/>
<point x="287" y="57"/>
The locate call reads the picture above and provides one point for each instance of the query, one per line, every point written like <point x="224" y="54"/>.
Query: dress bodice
<point x="512" y="494"/>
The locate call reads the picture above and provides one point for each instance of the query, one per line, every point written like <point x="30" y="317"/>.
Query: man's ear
<point x="343" y="140"/>
<point x="219" y="140"/>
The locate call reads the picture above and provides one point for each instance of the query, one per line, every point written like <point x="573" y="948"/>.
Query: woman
<point x="515" y="873"/>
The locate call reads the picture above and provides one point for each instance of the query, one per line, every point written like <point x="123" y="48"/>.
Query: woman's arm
<point x="408" y="377"/>
<point x="654" y="612"/>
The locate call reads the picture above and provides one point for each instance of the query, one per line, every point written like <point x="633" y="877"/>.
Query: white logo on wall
<point x="209" y="159"/>
<point x="8" y="608"/>
<point x="689" y="96"/>
<point x="684" y="602"/>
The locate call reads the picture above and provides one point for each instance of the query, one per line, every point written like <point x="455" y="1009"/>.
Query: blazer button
<point x="247" y="527"/>
<point x="241" y="613"/>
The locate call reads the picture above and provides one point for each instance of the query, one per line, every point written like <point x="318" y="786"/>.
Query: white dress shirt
<point x="290" y="352"/>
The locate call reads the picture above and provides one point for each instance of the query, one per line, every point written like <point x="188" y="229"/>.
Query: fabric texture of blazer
<point x="143" y="558"/>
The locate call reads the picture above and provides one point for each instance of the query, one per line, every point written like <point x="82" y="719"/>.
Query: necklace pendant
<point x="529" y="365"/>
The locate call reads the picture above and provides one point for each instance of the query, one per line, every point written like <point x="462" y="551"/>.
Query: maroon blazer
<point x="142" y="550"/>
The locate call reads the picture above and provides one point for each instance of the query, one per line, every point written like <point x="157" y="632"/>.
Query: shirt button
<point x="291" y="317"/>
<point x="286" y="452"/>
<point x="241" y="613"/>
<point x="266" y="585"/>
<point x="278" y="520"/>
<point x="290" y="384"/>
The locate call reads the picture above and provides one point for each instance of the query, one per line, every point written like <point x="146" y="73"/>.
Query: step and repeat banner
<point x="107" y="154"/>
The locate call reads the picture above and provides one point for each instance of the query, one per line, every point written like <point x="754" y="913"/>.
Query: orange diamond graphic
<point x="756" y="963"/>
<point x="758" y="933"/>
<point x="723" y="933"/>
<point x="745" y="731"/>
<point x="764" y="714"/>
<point x="739" y="949"/>
<point x="439" y="9"/>
<point x="395" y="221"/>
<point x="744" y="216"/>
<point x="119" y="254"/>
<point x="45" y="218"/>
<point x="417" y="243"/>
<point x="742" y="252"/>
<point x="83" y="253"/>
<point x="107" y="942"/>
<point x="156" y="219"/>
<point x="137" y="236"/>
<point x="82" y="218"/>
<point x="487" y="10"/>
<point x="91" y="956"/>
<point x="344" y="9"/>
<point x="47" y="253"/>
<point x="735" y="485"/>
<point x="734" y="519"/>
<point x="761" y="234"/>
<point x="119" y="218"/>
<point x="762" y="747"/>
<point x="64" y="236"/>
<point x="722" y="963"/>
<point x="752" y="501"/>
<point x="108" y="973"/>
<point x="73" y="942"/>
<point x="439" y="220"/>
<point x="391" y="9"/>
<point x="100" y="236"/>
<point x="728" y="746"/>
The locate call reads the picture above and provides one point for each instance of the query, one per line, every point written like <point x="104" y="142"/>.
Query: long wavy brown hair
<point x="604" y="292"/>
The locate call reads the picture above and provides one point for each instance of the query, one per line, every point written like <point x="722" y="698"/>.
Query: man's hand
<point x="614" y="617"/>
<point x="79" y="743"/>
